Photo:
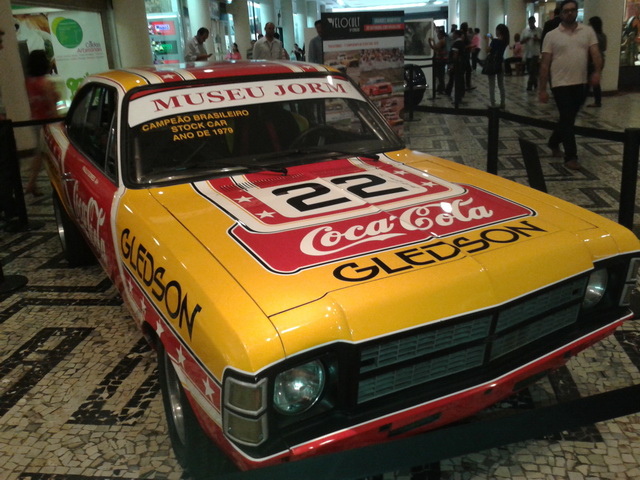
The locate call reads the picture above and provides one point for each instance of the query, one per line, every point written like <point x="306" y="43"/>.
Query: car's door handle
<point x="67" y="177"/>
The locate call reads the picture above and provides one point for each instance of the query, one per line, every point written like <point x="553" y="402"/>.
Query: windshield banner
<point x="196" y="99"/>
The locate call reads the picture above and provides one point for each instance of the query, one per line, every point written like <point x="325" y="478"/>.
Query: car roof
<point x="129" y="78"/>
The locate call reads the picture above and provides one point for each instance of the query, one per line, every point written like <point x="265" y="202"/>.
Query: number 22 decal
<point x="320" y="195"/>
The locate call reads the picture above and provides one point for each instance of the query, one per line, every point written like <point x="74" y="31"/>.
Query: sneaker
<point x="572" y="164"/>
<point x="595" y="105"/>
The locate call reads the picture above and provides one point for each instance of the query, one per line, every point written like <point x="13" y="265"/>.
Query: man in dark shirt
<point x="551" y="24"/>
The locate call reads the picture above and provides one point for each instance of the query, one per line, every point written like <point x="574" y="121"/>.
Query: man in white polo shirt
<point x="565" y="54"/>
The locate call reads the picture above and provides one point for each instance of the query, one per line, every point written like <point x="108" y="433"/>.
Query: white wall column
<point x="313" y="13"/>
<point x="495" y="14"/>
<point x="453" y="14"/>
<point x="240" y="12"/>
<point x="14" y="91"/>
<point x="516" y="17"/>
<point x="286" y="22"/>
<point x="267" y="14"/>
<point x="299" y="23"/>
<point x="611" y="12"/>
<point x="467" y="12"/>
<point x="130" y="24"/>
<point x="482" y="12"/>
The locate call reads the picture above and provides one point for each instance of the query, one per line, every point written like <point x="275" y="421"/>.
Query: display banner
<point x="630" y="51"/>
<point x="369" y="47"/>
<point x="79" y="46"/>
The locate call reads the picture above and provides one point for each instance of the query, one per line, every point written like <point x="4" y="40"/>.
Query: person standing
<point x="495" y="53"/>
<point x="516" y="55"/>
<point x="596" y="24"/>
<point x="269" y="47"/>
<point x="455" y="85"/>
<point x="565" y="55"/>
<point x="531" y="38"/>
<point x="314" y="54"/>
<point x="43" y="99"/>
<point x="195" y="47"/>
<point x="234" y="54"/>
<point x="552" y="23"/>
<point x="439" y="59"/>
<point x="476" y="46"/>
<point x="466" y="54"/>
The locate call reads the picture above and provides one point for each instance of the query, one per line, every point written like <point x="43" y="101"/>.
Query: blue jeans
<point x="568" y="99"/>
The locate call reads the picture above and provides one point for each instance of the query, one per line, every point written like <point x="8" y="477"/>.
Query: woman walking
<point x="495" y="57"/>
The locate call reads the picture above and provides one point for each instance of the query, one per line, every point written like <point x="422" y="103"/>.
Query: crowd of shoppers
<point x="565" y="56"/>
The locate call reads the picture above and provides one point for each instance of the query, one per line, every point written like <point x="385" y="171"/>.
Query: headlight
<point x="596" y="287"/>
<point x="297" y="389"/>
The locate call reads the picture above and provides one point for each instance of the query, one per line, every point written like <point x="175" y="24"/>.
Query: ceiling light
<point x="381" y="7"/>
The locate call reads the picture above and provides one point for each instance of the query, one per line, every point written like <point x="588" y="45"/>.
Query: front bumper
<point x="431" y="414"/>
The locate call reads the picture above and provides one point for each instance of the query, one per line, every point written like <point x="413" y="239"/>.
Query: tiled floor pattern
<point x="79" y="397"/>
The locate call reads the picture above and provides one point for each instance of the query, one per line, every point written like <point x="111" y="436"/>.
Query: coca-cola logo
<point x="330" y="239"/>
<point x="328" y="212"/>
<point x="318" y="245"/>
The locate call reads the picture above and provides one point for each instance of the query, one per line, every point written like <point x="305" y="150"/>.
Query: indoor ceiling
<point x="409" y="6"/>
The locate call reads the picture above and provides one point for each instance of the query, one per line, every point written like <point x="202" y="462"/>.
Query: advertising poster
<point x="369" y="47"/>
<point x="630" y="51"/>
<point x="79" y="47"/>
<point x="416" y="39"/>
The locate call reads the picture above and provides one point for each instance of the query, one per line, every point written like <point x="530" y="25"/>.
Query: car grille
<point x="455" y="346"/>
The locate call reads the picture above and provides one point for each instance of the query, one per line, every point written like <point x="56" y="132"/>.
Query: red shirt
<point x="42" y="98"/>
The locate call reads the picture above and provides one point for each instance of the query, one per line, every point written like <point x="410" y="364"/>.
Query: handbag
<point x="490" y="66"/>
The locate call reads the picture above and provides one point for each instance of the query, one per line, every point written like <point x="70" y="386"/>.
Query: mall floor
<point x="79" y="398"/>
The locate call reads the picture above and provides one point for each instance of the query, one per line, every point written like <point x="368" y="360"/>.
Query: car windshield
<point x="186" y="134"/>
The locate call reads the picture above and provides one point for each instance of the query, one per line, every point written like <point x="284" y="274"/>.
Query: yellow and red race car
<point x="309" y="284"/>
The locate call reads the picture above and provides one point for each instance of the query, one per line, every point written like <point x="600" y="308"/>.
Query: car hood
<point x="396" y="223"/>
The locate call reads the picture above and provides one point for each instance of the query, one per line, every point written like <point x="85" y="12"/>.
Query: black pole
<point x="493" y="138"/>
<point x="433" y="77"/>
<point x="11" y="196"/>
<point x="11" y="182"/>
<point x="629" y="180"/>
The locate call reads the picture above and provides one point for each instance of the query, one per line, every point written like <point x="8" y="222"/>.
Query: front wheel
<point x="75" y="248"/>
<point x="195" y="452"/>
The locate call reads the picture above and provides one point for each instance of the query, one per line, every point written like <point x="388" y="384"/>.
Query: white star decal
<point x="428" y="184"/>
<point x="243" y="199"/>
<point x="159" y="329"/>
<point x="266" y="214"/>
<point x="181" y="357"/>
<point x="400" y="172"/>
<point x="143" y="306"/>
<point x="130" y="286"/>
<point x="167" y="75"/>
<point x="208" y="391"/>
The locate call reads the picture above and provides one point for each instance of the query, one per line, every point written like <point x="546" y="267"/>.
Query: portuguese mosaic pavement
<point x="79" y="398"/>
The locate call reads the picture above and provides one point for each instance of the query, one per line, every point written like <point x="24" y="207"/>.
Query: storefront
<point x="72" y="39"/>
<point x="630" y="46"/>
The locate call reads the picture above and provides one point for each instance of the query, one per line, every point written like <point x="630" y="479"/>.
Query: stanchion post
<point x="410" y="94"/>
<point x="433" y="77"/>
<point x="629" y="180"/>
<point x="493" y="139"/>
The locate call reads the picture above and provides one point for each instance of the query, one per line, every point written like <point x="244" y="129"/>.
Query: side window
<point x="91" y="127"/>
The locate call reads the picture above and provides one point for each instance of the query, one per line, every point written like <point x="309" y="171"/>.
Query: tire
<point x="74" y="246"/>
<point x="194" y="450"/>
